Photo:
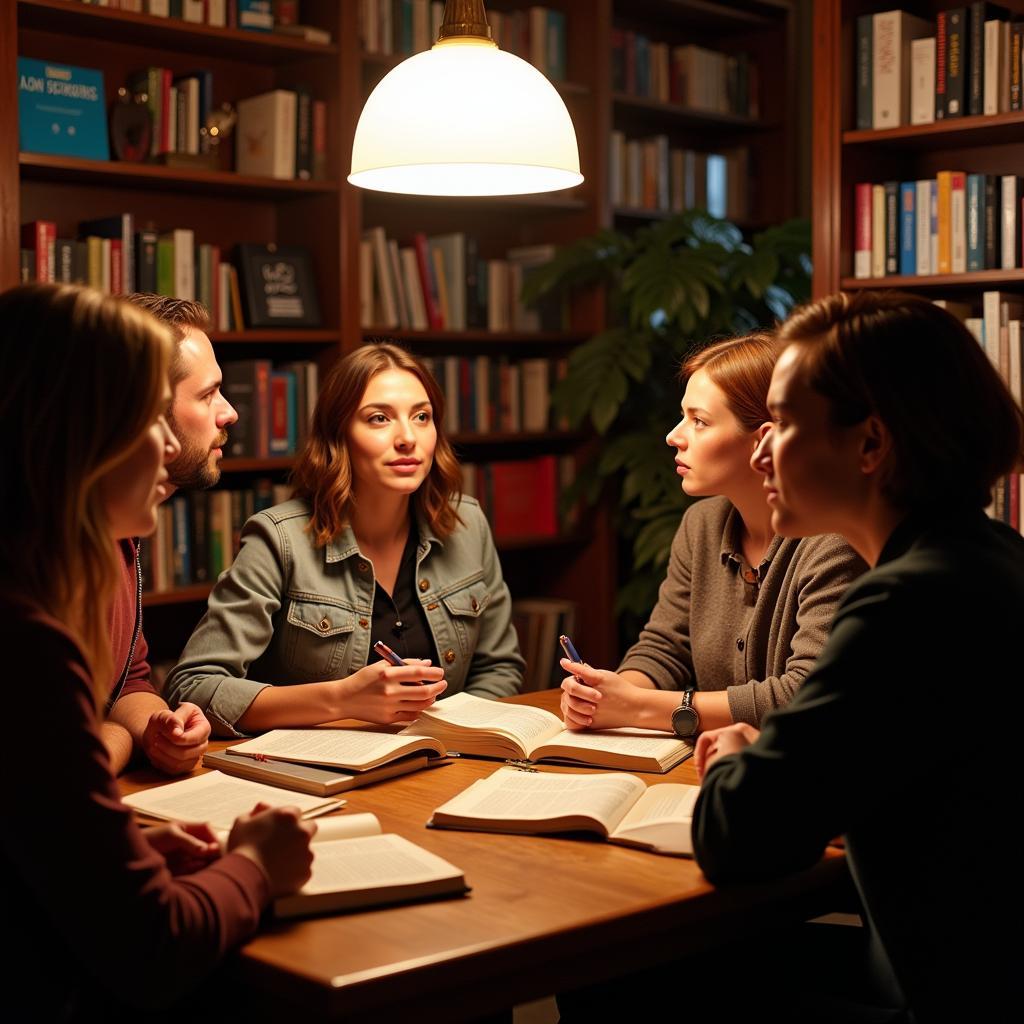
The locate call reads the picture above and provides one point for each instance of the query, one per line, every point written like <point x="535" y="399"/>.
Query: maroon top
<point x="122" y="629"/>
<point x="89" y="904"/>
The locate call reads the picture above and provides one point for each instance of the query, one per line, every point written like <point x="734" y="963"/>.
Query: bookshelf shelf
<point x="973" y="280"/>
<point x="269" y="465"/>
<point x="71" y="17"/>
<point x="496" y="339"/>
<point x="179" y="595"/>
<point x="706" y="14"/>
<point x="515" y="438"/>
<point x="275" y="337"/>
<point x="641" y="106"/>
<point x="43" y="167"/>
<point x="987" y="130"/>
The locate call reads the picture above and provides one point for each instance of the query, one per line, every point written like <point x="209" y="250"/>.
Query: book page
<point x="668" y="801"/>
<point x="218" y="799"/>
<point x="526" y="725"/>
<point x="337" y="826"/>
<point x="373" y="861"/>
<point x="344" y="748"/>
<point x="643" y="742"/>
<point x="515" y="795"/>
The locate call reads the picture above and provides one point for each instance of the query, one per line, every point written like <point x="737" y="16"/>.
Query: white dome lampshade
<point x="465" y="119"/>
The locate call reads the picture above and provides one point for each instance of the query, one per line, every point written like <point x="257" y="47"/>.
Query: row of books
<point x="651" y="174"/>
<point x="411" y="26"/>
<point x="178" y="108"/>
<point x="198" y="534"/>
<point x="442" y="283"/>
<point x="252" y="15"/>
<point x="111" y="256"/>
<point x="274" y="404"/>
<point x="484" y="394"/>
<point x="951" y="224"/>
<point x="691" y="76"/>
<point x="912" y="70"/>
<point x="521" y="497"/>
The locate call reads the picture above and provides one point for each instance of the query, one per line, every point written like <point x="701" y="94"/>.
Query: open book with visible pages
<point x="621" y="808"/>
<point x="218" y="800"/>
<point x="487" y="728"/>
<point x="354" y="866"/>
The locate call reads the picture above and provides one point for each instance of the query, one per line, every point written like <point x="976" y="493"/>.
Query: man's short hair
<point x="180" y="315"/>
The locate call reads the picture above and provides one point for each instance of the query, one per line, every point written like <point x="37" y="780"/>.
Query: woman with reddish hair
<point x="375" y="545"/>
<point x="743" y="613"/>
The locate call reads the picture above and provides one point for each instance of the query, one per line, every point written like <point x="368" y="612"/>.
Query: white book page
<point x="643" y="742"/>
<point x="514" y="795"/>
<point x="662" y="817"/>
<point x="527" y="726"/>
<point x="342" y="747"/>
<point x="218" y="799"/>
<point x="372" y="861"/>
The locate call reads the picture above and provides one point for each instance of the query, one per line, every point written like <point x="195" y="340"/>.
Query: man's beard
<point x="192" y="469"/>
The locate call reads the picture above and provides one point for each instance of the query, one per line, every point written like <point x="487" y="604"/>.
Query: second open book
<point x="621" y="808"/>
<point x="476" y="727"/>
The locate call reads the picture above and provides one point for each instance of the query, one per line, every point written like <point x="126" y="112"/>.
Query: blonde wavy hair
<point x="323" y="474"/>
<point x="82" y="375"/>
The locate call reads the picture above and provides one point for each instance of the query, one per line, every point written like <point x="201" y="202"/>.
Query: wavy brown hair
<point x="742" y="368"/>
<point x="955" y="426"/>
<point x="323" y="475"/>
<point x="82" y="375"/>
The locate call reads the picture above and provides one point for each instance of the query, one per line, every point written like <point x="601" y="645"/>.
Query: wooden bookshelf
<point x="842" y="156"/>
<point x="329" y="217"/>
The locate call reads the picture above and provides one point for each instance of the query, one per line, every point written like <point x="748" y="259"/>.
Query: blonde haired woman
<point x="83" y="385"/>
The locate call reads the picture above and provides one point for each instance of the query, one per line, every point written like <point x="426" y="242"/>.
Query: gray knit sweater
<point x="713" y="630"/>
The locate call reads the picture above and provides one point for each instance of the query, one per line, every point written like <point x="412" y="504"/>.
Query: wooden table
<point x="545" y="914"/>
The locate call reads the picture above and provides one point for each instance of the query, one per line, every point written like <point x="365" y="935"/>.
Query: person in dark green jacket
<point x="891" y="427"/>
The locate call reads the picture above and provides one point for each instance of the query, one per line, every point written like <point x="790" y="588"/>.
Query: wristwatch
<point x="685" y="720"/>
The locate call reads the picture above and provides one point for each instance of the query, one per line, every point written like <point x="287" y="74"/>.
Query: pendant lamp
<point x="465" y="119"/>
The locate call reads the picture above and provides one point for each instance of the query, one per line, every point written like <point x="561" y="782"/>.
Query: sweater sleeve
<point x="131" y="925"/>
<point x="771" y="809"/>
<point x="824" y="568"/>
<point x="237" y="628"/>
<point x="662" y="651"/>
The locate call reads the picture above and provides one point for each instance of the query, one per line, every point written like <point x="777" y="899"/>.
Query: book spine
<point x="878" y="231"/>
<point x="304" y="135"/>
<point x="1016" y="54"/>
<point x="922" y="221"/>
<point x="955" y="70"/>
<point x="922" y="92"/>
<point x="958" y="223"/>
<point x="975" y="222"/>
<point x="1010" y="235"/>
<point x="993" y="222"/>
<point x="862" y="220"/>
<point x="992" y="68"/>
<point x="945" y="183"/>
<point x="892" y="222"/>
<point x="941" y="59"/>
<point x="908" y="228"/>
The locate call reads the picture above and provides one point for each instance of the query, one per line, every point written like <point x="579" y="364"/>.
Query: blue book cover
<point x="908" y="228"/>
<point x="61" y="110"/>
<point x="256" y="15"/>
<point x="975" y="221"/>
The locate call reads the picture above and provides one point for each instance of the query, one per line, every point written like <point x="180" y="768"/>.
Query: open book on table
<point x="621" y="808"/>
<point x="218" y="800"/>
<point x="487" y="728"/>
<point x="354" y="865"/>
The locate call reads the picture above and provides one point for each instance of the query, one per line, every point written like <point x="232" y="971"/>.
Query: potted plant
<point x="669" y="288"/>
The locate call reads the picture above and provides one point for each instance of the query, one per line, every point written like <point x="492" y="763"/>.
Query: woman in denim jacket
<point x="374" y="545"/>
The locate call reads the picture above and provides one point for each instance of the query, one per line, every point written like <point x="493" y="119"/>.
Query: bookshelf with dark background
<point x="328" y="217"/>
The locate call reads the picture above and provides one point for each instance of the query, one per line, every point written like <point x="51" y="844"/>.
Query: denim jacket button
<point x="432" y="607"/>
<point x="324" y="624"/>
<point x="364" y="623"/>
<point x="449" y="656"/>
<point x="475" y="604"/>
<point x="424" y="585"/>
<point x="363" y="566"/>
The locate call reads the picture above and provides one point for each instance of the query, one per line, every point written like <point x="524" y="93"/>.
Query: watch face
<point x="685" y="722"/>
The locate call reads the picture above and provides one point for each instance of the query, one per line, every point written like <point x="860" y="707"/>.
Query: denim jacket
<point x="287" y="612"/>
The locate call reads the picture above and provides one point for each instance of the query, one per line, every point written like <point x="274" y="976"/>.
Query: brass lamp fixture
<point x="464" y="118"/>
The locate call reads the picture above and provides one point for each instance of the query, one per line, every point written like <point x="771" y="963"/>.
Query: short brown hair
<point x="180" y="315"/>
<point x="323" y="473"/>
<point x="742" y="368"/>
<point x="955" y="426"/>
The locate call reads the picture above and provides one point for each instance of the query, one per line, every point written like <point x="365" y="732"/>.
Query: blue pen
<point x="570" y="651"/>
<point x="386" y="653"/>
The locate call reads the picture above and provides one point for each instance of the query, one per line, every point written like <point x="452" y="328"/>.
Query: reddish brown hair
<point x="955" y="426"/>
<point x="323" y="475"/>
<point x="742" y="368"/>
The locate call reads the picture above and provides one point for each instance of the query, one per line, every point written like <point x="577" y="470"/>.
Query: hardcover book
<point x="277" y="286"/>
<point x="61" y="110"/>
